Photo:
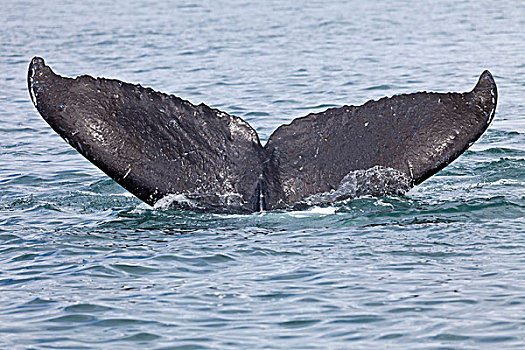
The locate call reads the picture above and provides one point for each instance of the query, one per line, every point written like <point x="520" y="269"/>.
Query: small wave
<point x="505" y="182"/>
<point x="379" y="87"/>
<point x="169" y="200"/>
<point x="195" y="201"/>
<point x="90" y="193"/>
<point x="376" y="181"/>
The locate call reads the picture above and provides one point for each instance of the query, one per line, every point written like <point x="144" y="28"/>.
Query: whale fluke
<point x="157" y="145"/>
<point x="416" y="134"/>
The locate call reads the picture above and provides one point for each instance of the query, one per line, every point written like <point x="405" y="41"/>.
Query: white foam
<point x="508" y="182"/>
<point x="231" y="199"/>
<point x="375" y="181"/>
<point x="313" y="211"/>
<point x="89" y="193"/>
<point x="167" y="201"/>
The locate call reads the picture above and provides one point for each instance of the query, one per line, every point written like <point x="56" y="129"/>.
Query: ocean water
<point x="85" y="265"/>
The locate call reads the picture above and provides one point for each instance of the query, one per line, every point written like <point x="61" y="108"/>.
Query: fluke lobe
<point x="160" y="147"/>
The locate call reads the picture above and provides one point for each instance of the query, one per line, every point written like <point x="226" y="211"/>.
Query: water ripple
<point x="85" y="265"/>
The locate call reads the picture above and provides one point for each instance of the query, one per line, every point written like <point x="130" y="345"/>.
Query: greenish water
<point x="85" y="265"/>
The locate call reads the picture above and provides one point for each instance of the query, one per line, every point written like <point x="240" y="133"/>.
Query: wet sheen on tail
<point x="159" y="146"/>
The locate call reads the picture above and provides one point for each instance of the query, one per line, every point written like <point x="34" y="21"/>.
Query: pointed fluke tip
<point x="37" y="60"/>
<point x="36" y="66"/>
<point x="37" y="74"/>
<point x="486" y="85"/>
<point x="37" y="63"/>
<point x="486" y="82"/>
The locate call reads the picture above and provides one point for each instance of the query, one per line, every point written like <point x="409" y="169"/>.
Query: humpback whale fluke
<point x="156" y="145"/>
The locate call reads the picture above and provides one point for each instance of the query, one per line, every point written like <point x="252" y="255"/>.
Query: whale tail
<point x="157" y="145"/>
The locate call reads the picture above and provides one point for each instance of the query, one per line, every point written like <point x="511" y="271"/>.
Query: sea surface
<point x="85" y="265"/>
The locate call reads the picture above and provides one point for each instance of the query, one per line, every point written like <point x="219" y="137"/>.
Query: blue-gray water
<point x="85" y="265"/>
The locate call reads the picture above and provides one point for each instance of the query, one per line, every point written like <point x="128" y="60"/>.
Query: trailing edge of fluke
<point x="158" y="146"/>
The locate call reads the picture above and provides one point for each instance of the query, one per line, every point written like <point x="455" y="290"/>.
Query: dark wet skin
<point x="154" y="144"/>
